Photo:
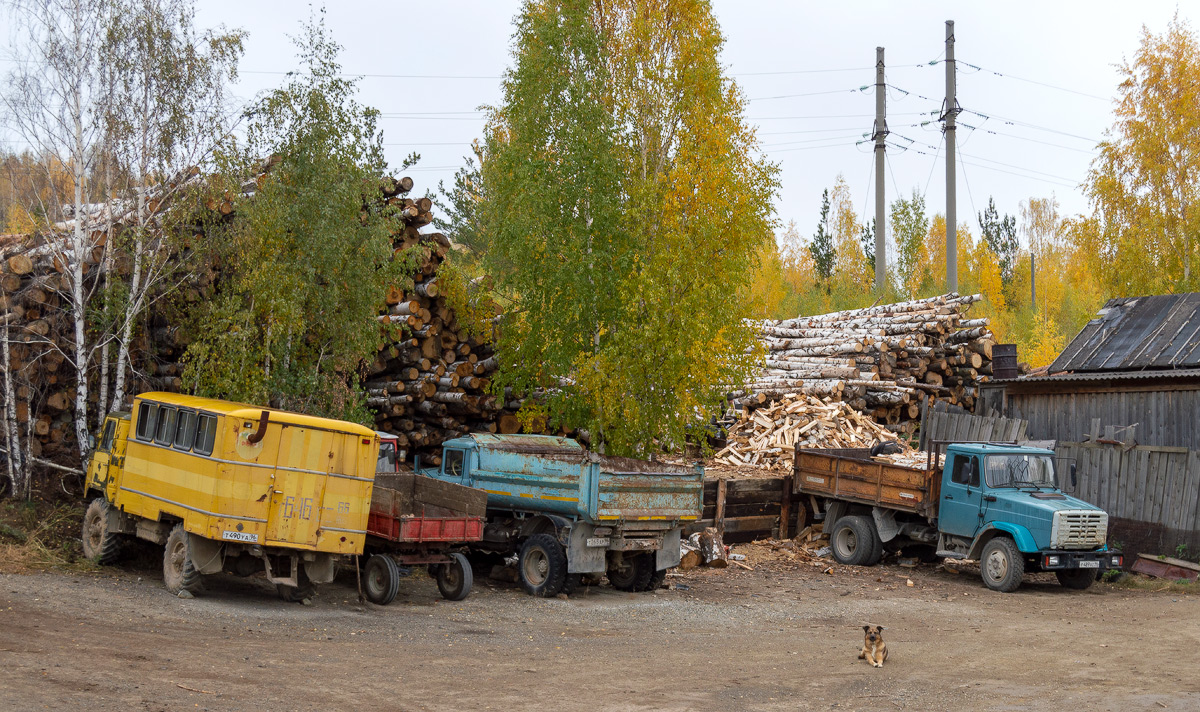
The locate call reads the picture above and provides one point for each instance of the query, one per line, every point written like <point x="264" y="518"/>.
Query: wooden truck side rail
<point x="852" y="476"/>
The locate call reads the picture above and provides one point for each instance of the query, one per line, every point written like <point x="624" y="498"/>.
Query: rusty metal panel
<point x="864" y="481"/>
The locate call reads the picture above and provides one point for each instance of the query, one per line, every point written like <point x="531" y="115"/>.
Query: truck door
<point x="454" y="466"/>
<point x="304" y="457"/>
<point x="962" y="498"/>
<point x="101" y="461"/>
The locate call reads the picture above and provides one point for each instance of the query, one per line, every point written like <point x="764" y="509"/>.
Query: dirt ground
<point x="784" y="636"/>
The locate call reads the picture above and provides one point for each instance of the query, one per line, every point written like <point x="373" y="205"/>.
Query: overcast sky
<point x="1017" y="138"/>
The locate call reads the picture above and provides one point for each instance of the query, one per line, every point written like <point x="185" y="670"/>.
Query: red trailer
<point x="418" y="520"/>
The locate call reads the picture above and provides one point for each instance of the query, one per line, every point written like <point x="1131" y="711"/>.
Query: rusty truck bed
<point x="852" y="475"/>
<point x="410" y="509"/>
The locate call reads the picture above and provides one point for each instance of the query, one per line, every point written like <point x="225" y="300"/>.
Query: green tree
<point x="821" y="247"/>
<point x="867" y="237"/>
<point x="308" y="259"/>
<point x="1000" y="234"/>
<point x="910" y="224"/>
<point x="623" y="208"/>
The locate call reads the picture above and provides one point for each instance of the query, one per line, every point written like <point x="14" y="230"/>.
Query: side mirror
<point x="91" y="442"/>
<point x="1074" y="478"/>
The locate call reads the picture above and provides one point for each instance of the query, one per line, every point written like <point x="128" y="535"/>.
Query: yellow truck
<point x="229" y="487"/>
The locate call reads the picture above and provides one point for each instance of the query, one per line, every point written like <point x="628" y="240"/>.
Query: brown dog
<point x="874" y="650"/>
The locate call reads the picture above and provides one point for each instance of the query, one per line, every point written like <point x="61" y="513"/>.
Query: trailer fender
<point x="1019" y="534"/>
<point x="559" y="527"/>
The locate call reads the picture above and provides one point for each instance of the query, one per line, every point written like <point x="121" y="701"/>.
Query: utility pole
<point x="881" y="132"/>
<point x="948" y="116"/>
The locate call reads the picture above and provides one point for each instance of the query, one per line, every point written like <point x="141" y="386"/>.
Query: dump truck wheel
<point x="297" y="594"/>
<point x="854" y="541"/>
<point x="633" y="573"/>
<point x="454" y="579"/>
<point x="1001" y="565"/>
<point x="99" y="544"/>
<point x="179" y="571"/>
<point x="572" y="584"/>
<point x="381" y="579"/>
<point x="542" y="566"/>
<point x="1076" y="579"/>
<point x="656" y="580"/>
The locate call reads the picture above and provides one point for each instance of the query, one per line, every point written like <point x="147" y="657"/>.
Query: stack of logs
<point x="880" y="359"/>
<point x="429" y="382"/>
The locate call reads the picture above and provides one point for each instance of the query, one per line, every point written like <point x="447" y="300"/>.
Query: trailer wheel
<point x="854" y="541"/>
<point x="179" y="570"/>
<point x="455" y="578"/>
<point x="1001" y="565"/>
<point x="542" y="566"/>
<point x="1077" y="579"/>
<point x="98" y="542"/>
<point x="381" y="579"/>
<point x="632" y="573"/>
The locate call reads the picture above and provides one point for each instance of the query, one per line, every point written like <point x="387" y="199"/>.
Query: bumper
<point x="1098" y="560"/>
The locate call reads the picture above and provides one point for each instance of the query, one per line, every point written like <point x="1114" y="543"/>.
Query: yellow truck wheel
<point x="99" y="544"/>
<point x="179" y="571"/>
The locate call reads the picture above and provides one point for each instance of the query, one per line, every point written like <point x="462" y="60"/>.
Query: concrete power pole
<point x="948" y="117"/>
<point x="881" y="132"/>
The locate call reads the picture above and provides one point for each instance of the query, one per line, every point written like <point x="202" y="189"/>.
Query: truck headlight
<point x="1052" y="561"/>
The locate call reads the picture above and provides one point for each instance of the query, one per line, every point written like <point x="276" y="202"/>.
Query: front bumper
<point x="1098" y="560"/>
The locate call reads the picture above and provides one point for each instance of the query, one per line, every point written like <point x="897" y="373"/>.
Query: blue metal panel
<point x="1025" y="541"/>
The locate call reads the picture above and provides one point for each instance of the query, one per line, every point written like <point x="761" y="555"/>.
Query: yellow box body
<point x="305" y="485"/>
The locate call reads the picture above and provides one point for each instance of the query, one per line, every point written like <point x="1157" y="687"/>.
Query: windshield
<point x="1020" y="471"/>
<point x="387" y="456"/>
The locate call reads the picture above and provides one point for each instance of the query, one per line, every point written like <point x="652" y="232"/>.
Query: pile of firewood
<point x="429" y="382"/>
<point x="767" y="437"/>
<point x="880" y="359"/>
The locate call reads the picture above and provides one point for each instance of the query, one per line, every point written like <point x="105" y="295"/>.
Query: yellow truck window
<point x="166" y="426"/>
<point x="110" y="427"/>
<point x="185" y="430"/>
<point x="147" y="415"/>
<point x="206" y="433"/>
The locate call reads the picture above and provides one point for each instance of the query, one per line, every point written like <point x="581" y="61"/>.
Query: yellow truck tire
<point x="100" y="543"/>
<point x="179" y="569"/>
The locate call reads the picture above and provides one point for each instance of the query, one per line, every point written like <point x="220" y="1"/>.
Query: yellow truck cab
<point x="229" y="487"/>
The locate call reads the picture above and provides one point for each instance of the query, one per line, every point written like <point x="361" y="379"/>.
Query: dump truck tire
<point x="1001" y="565"/>
<point x="634" y="574"/>
<point x="656" y="581"/>
<point x="381" y="579"/>
<point x="854" y="541"/>
<point x="454" y="579"/>
<point x="179" y="570"/>
<point x="542" y="566"/>
<point x="1076" y="579"/>
<point x="572" y="584"/>
<point x="99" y="544"/>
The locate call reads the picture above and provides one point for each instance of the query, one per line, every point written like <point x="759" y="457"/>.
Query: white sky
<point x="775" y="49"/>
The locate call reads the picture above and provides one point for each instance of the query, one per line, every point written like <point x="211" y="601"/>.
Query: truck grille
<point x="1078" y="529"/>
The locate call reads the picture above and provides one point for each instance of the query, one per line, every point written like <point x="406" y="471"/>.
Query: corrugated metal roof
<point x="1105" y="376"/>
<point x="1155" y="332"/>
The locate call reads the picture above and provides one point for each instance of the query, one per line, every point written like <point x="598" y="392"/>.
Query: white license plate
<point x="239" y="536"/>
<point x="1089" y="564"/>
<point x="597" y="541"/>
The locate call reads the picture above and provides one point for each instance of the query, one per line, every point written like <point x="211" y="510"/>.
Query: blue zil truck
<point x="568" y="513"/>
<point x="998" y="504"/>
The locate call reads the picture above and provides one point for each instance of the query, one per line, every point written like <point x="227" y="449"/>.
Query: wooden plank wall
<point x="750" y="508"/>
<point x="939" y="423"/>
<point x="1151" y="493"/>
<point x="1167" y="417"/>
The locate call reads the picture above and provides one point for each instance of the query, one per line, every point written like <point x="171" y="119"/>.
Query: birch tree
<point x="53" y="102"/>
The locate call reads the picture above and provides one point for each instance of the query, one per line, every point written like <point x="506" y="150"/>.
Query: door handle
<point x="949" y="496"/>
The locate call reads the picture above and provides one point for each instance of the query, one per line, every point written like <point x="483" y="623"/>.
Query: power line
<point x="933" y="167"/>
<point x="828" y="116"/>
<point x="1015" y="122"/>
<point x="970" y="195"/>
<point x="1034" y="81"/>
<point x="811" y="93"/>
<point x="811" y="140"/>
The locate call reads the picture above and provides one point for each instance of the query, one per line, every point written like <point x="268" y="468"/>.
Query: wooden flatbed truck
<point x="997" y="503"/>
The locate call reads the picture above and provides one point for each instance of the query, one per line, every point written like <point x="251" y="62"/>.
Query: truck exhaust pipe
<point x="257" y="435"/>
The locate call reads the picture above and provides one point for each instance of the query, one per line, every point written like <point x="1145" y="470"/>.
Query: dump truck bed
<point x="852" y="475"/>
<point x="409" y="508"/>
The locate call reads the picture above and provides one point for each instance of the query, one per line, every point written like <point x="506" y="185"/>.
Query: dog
<point x="874" y="650"/>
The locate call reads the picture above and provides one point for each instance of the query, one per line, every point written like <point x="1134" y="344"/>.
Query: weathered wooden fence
<point x="1151" y="493"/>
<point x="940" y="423"/>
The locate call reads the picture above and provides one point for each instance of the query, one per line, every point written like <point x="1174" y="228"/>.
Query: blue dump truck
<point x="998" y="504"/>
<point x="568" y="513"/>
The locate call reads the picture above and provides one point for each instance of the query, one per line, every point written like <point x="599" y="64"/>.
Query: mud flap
<point x="885" y="523"/>
<point x="206" y="554"/>
<point x="668" y="556"/>
<point x="581" y="558"/>
<point x="321" y="569"/>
